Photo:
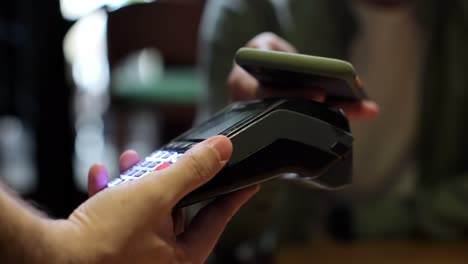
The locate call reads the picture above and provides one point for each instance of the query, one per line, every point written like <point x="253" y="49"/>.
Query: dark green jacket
<point x="439" y="207"/>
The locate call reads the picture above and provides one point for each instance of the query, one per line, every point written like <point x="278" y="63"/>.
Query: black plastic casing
<point x="293" y="139"/>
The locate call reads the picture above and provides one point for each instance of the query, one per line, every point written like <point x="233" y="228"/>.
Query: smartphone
<point x="283" y="70"/>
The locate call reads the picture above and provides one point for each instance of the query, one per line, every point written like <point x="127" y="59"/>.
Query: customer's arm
<point x="130" y="223"/>
<point x="22" y="231"/>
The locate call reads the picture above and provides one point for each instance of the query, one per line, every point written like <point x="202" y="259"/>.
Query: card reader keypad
<point x="157" y="160"/>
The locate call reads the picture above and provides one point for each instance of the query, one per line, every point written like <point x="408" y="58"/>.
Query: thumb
<point x="196" y="167"/>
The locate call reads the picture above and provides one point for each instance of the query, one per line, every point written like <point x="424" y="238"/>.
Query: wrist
<point x="54" y="247"/>
<point x="21" y="236"/>
<point x="28" y="236"/>
<point x="65" y="243"/>
<point x="40" y="242"/>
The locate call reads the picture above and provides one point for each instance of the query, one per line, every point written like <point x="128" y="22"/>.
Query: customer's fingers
<point x="359" y="111"/>
<point x="127" y="160"/>
<point x="315" y="94"/>
<point x="271" y="41"/>
<point x="242" y="86"/>
<point x="97" y="178"/>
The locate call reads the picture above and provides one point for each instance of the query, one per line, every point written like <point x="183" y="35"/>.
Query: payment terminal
<point x="292" y="139"/>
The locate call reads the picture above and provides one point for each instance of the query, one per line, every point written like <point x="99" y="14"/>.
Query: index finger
<point x="364" y="110"/>
<point x="271" y="41"/>
<point x="242" y="86"/>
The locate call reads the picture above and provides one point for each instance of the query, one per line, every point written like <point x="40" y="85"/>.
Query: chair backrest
<point x="171" y="26"/>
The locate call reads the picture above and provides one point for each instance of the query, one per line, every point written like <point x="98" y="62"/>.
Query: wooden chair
<point x="171" y="28"/>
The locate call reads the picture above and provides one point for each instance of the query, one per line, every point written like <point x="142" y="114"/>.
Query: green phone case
<point x="290" y="70"/>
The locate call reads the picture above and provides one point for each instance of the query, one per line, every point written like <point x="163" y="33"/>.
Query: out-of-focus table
<point x="377" y="252"/>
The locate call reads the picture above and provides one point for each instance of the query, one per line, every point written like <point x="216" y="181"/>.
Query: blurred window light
<point x="74" y="9"/>
<point x="85" y="51"/>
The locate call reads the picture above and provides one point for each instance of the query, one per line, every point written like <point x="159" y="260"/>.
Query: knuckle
<point x="200" y="166"/>
<point x="262" y="39"/>
<point x="268" y="35"/>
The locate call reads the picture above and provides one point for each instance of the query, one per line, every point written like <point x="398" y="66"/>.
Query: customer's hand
<point x="98" y="177"/>
<point x="136" y="223"/>
<point x="243" y="86"/>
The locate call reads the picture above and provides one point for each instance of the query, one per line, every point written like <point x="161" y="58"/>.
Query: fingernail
<point x="219" y="144"/>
